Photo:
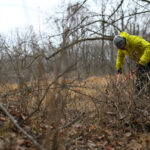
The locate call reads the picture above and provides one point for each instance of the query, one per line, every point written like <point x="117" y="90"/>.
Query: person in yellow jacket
<point x="138" y="49"/>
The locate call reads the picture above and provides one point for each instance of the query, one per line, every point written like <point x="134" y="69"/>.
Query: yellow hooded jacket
<point x="136" y="48"/>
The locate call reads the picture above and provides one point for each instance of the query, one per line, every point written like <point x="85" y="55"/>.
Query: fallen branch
<point x="73" y="121"/>
<point x="21" y="129"/>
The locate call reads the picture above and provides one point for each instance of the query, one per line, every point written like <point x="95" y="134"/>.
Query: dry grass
<point x="104" y="106"/>
<point x="90" y="87"/>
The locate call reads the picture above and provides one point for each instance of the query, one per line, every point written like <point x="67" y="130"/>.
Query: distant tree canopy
<point x="81" y="35"/>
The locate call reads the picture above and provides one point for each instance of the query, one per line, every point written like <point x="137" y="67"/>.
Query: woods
<point x="58" y="88"/>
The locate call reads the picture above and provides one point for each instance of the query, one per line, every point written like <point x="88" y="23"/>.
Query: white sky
<point x="20" y="13"/>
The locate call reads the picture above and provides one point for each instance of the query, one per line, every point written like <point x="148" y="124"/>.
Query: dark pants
<point x="142" y="78"/>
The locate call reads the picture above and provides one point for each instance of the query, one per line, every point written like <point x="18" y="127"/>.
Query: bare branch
<point x="47" y="89"/>
<point x="78" y="8"/>
<point x="21" y="129"/>
<point x="110" y="38"/>
<point x="146" y="1"/>
<point x="73" y="121"/>
<point x="116" y="9"/>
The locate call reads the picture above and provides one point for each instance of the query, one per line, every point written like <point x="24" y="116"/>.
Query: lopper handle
<point x="130" y="75"/>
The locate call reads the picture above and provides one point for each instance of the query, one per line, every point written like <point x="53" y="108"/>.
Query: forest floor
<point x="96" y="116"/>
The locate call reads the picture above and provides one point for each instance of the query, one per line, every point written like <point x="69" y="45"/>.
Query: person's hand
<point x="119" y="71"/>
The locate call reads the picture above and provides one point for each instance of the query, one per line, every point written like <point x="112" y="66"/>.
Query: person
<point x="138" y="49"/>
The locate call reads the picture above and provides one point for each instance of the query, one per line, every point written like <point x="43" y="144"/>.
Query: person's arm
<point x="120" y="59"/>
<point x="145" y="58"/>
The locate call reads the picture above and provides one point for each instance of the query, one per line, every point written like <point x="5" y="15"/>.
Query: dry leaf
<point x="91" y="128"/>
<point x="128" y="134"/>
<point x="3" y="119"/>
<point x="135" y="146"/>
<point x="110" y="147"/>
<point x="101" y="144"/>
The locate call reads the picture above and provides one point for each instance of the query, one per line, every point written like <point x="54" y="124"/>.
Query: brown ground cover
<point x="94" y="115"/>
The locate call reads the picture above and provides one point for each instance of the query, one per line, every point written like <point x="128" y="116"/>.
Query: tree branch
<point x="116" y="9"/>
<point x="21" y="129"/>
<point x="146" y="1"/>
<point x="110" y="38"/>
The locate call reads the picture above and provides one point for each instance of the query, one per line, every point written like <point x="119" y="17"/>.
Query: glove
<point x="119" y="71"/>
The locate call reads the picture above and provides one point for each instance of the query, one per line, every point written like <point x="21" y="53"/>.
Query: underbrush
<point x="74" y="114"/>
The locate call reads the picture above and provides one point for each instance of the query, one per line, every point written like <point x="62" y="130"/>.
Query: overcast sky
<point x="20" y="13"/>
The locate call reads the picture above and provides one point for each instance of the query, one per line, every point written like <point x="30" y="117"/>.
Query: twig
<point x="46" y="91"/>
<point x="143" y="89"/>
<point x="89" y="96"/>
<point x="146" y="1"/>
<point x="73" y="121"/>
<point x="21" y="129"/>
<point x="145" y="85"/>
<point x="116" y="9"/>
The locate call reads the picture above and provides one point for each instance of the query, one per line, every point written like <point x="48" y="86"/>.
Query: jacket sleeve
<point x="144" y="46"/>
<point x="120" y="59"/>
<point x="145" y="58"/>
